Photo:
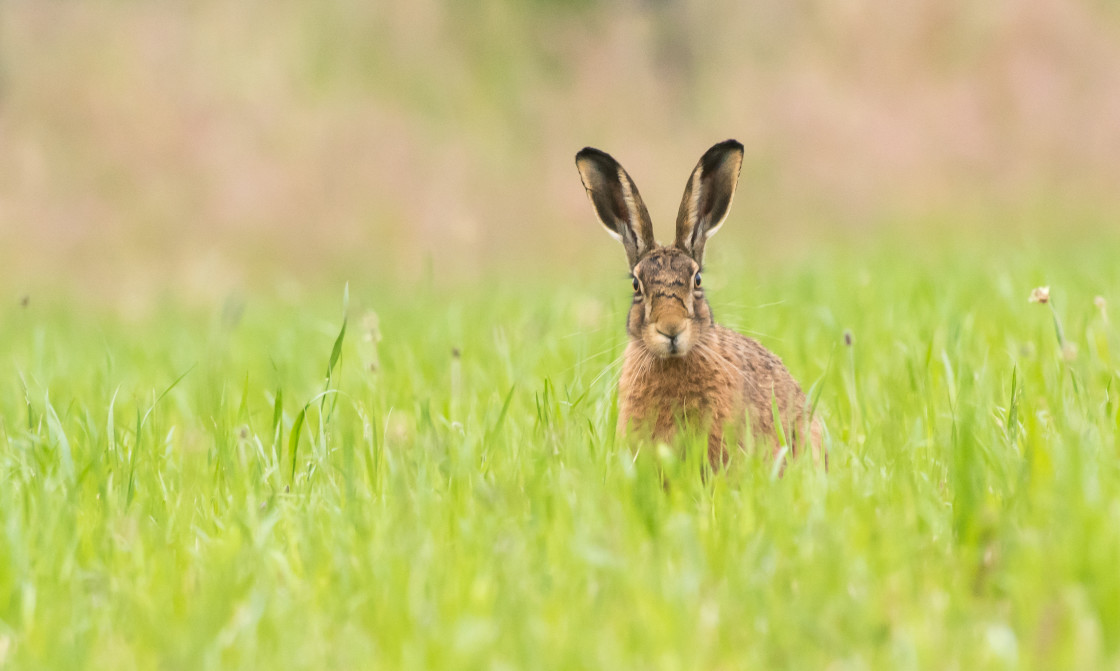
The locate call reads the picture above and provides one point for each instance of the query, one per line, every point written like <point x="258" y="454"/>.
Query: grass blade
<point x="293" y="440"/>
<point x="160" y="398"/>
<point x="336" y="351"/>
<point x="277" y="416"/>
<point x="58" y="436"/>
<point x="501" y="415"/>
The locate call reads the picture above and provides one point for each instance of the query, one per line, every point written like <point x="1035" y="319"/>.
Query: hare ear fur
<point x="617" y="202"/>
<point x="707" y="197"/>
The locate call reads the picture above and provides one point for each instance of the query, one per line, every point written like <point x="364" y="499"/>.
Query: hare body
<point x="680" y="367"/>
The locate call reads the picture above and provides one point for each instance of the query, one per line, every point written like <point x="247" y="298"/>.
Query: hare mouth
<point x="667" y="346"/>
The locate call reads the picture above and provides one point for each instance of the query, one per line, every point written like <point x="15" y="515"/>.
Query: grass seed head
<point x="371" y="336"/>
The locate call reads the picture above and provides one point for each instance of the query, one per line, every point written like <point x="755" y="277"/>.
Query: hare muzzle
<point x="669" y="336"/>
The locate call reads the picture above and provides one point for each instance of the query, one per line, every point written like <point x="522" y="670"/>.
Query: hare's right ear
<point x="617" y="202"/>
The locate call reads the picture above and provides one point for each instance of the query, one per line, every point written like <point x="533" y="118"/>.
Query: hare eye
<point x="636" y="286"/>
<point x="696" y="280"/>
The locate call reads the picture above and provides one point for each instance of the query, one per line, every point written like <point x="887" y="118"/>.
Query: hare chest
<point x="659" y="395"/>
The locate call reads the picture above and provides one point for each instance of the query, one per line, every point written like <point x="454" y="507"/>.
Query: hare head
<point x="669" y="314"/>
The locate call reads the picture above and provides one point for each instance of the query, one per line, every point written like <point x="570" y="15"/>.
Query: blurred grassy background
<point x="210" y="145"/>
<point x="214" y="171"/>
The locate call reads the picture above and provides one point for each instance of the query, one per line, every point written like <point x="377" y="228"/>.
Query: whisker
<point x="721" y="362"/>
<point x="751" y="332"/>
<point x="592" y="356"/>
<point x="748" y="306"/>
<point x="585" y="332"/>
<point x="620" y="359"/>
<point x="646" y="363"/>
<point x="736" y="326"/>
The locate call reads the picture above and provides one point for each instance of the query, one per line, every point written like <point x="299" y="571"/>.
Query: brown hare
<point x="680" y="366"/>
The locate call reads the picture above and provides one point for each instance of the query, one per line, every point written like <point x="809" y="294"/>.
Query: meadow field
<point x="309" y="338"/>
<point x="429" y="478"/>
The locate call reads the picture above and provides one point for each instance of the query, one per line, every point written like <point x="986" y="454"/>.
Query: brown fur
<point x="680" y="367"/>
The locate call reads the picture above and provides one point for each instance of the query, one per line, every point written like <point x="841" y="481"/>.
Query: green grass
<point x="178" y="492"/>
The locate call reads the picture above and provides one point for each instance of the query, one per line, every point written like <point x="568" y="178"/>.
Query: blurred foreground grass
<point x="456" y="498"/>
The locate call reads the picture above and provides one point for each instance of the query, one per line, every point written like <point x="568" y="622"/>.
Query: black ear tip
<point x="728" y="152"/>
<point x="596" y="157"/>
<point x="729" y="145"/>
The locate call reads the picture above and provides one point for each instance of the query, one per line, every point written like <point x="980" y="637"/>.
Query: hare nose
<point x="670" y="331"/>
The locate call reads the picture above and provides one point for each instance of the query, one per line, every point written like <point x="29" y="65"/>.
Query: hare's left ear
<point x="707" y="197"/>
